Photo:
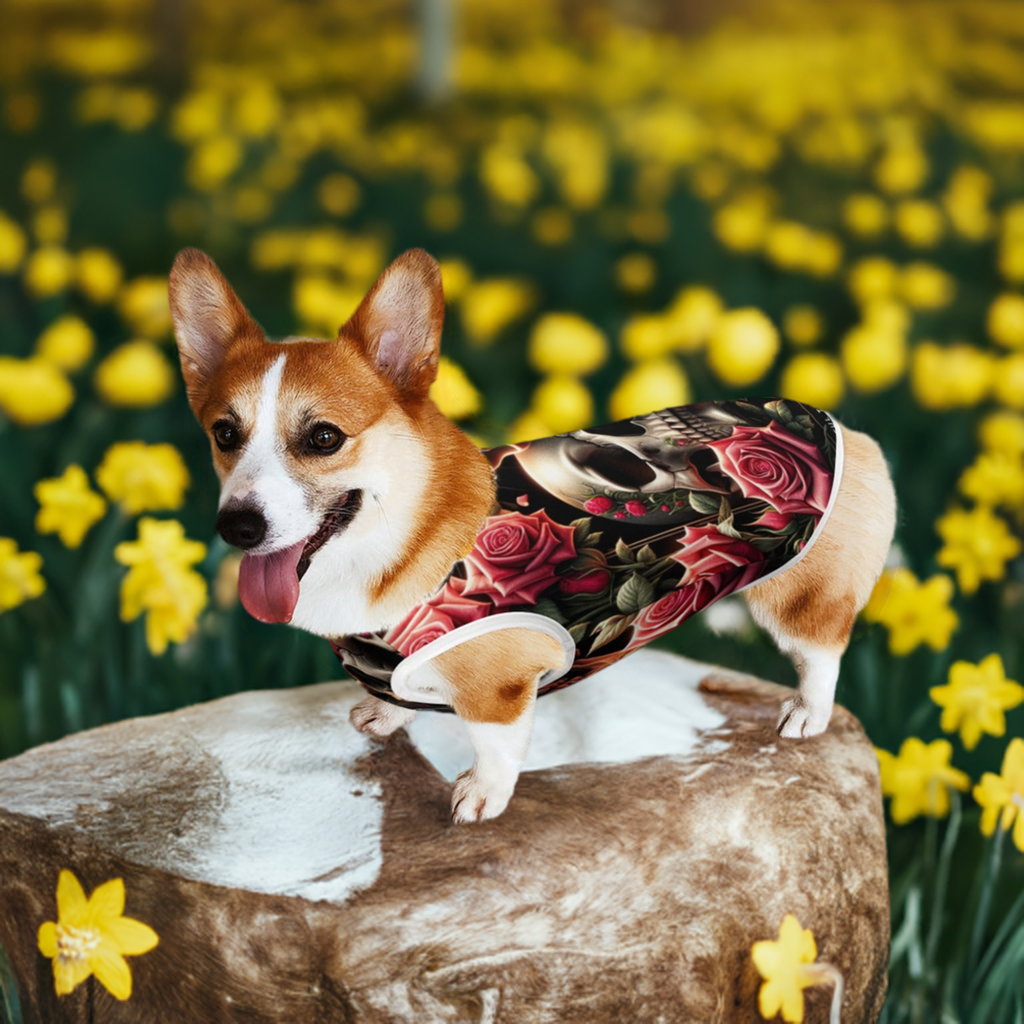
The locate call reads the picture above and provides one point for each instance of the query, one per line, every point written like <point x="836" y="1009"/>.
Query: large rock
<point x="297" y="871"/>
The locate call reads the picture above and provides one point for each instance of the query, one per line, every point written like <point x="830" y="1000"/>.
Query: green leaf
<point x="610" y="628"/>
<point x="580" y="531"/>
<point x="646" y="555"/>
<point x="623" y="552"/>
<point x="703" y="503"/>
<point x="579" y="632"/>
<point x="634" y="594"/>
<point x="546" y="607"/>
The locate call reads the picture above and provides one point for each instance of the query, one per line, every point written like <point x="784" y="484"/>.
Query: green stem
<point x="981" y="918"/>
<point x="942" y="883"/>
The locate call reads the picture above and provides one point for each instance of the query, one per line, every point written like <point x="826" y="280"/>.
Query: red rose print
<point x="444" y="612"/>
<point x="669" y="611"/>
<point x="705" y="552"/>
<point x="636" y="508"/>
<point x="590" y="581"/>
<point x="515" y="557"/>
<point x="775" y="465"/>
<point x="598" y="504"/>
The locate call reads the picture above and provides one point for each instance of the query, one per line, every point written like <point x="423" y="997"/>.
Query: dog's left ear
<point x="399" y="322"/>
<point x="208" y="317"/>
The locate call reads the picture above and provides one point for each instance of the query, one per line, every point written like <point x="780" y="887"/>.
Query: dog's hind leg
<point x="810" y="609"/>
<point x="378" y="717"/>
<point x="492" y="685"/>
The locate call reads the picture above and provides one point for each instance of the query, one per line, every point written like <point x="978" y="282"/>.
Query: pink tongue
<point x="269" y="584"/>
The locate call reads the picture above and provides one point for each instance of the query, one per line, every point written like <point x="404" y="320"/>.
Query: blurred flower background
<point x="635" y="205"/>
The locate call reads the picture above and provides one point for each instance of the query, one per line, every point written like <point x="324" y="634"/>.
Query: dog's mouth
<point x="268" y="585"/>
<point x="333" y="523"/>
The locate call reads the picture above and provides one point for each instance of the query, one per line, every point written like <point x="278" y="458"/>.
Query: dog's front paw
<point x="473" y="799"/>
<point x="798" y="719"/>
<point x="378" y="718"/>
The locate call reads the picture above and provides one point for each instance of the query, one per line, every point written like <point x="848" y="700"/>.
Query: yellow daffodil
<point x="995" y="478"/>
<point x="564" y="402"/>
<point x="455" y="278"/>
<point x="866" y="215"/>
<point x="1002" y="796"/>
<point x="48" y="271"/>
<point x="802" y="325"/>
<point x="339" y="194"/>
<point x="742" y="347"/>
<point x="38" y="180"/>
<point x="33" y="391"/>
<point x="919" y="222"/>
<point x="453" y="393"/>
<point x="135" y="375"/>
<point x="950" y="377"/>
<point x="975" y="699"/>
<point x="1002" y="432"/>
<point x="1008" y="385"/>
<point x="489" y="306"/>
<point x="20" y="580"/>
<point x="873" y="277"/>
<point x="692" y="316"/>
<point x="976" y="545"/>
<point x="13" y="244"/>
<point x="97" y="275"/>
<point x="1006" y="320"/>
<point x="654" y="384"/>
<point x="788" y="967"/>
<point x="67" y="343"/>
<point x="915" y="613"/>
<point x="92" y="936"/>
<point x="646" y="336"/>
<point x="919" y="779"/>
<point x="144" y="307"/>
<point x="635" y="272"/>
<point x="161" y="583"/>
<point x="566" y="343"/>
<point x="924" y="286"/>
<point x="874" y="357"/>
<point x="68" y="506"/>
<point x="143" y="477"/>
<point x="814" y="378"/>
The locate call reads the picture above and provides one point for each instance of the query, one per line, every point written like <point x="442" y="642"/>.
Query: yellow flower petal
<point x="72" y="906"/>
<point x="106" y="903"/>
<point x="69" y="974"/>
<point x="112" y="971"/>
<point x="131" y="937"/>
<point x="48" y="939"/>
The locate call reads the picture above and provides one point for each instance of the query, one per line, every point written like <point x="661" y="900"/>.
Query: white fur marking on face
<point x="261" y="475"/>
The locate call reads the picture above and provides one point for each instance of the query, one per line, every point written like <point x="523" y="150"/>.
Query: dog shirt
<point x="609" y="537"/>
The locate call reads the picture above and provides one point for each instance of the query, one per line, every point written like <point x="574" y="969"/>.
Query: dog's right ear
<point x="208" y="317"/>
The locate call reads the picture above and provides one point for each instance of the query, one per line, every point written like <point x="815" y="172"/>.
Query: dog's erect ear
<point x="207" y="316"/>
<point x="399" y="322"/>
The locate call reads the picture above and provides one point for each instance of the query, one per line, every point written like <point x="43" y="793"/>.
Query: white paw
<point x="798" y="719"/>
<point x="473" y="799"/>
<point x="378" y="718"/>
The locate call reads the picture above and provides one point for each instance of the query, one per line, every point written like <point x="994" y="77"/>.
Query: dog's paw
<point x="799" y="720"/>
<point x="378" y="718"/>
<point x="473" y="799"/>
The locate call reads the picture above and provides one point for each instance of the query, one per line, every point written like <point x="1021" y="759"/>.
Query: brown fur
<point x="819" y="598"/>
<point x="516" y="658"/>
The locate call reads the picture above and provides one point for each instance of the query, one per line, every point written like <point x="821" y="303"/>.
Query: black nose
<point x="243" y="527"/>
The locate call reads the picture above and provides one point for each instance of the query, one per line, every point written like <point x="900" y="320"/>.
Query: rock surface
<point x="298" y="872"/>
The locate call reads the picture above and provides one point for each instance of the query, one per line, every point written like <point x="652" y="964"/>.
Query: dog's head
<point x="321" y="446"/>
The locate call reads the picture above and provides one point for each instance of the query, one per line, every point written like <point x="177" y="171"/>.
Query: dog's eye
<point x="325" y="439"/>
<point x="226" y="435"/>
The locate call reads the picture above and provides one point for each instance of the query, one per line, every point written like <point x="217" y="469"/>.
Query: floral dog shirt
<point x="609" y="537"/>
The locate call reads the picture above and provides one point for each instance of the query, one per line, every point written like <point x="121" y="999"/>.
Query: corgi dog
<point x="355" y="502"/>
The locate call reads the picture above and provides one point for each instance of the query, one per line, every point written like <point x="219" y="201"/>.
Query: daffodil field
<point x="634" y="206"/>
